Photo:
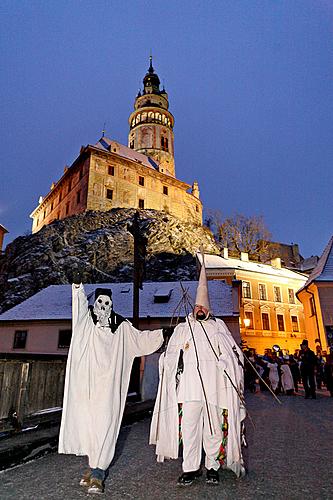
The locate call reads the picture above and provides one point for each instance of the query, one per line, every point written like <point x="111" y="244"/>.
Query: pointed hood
<point x="202" y="297"/>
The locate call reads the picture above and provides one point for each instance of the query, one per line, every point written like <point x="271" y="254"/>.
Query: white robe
<point x="96" y="384"/>
<point x="273" y="375"/>
<point x="287" y="378"/>
<point x="219" y="391"/>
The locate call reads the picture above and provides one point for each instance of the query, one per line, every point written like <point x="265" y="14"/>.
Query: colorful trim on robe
<point x="180" y="416"/>
<point x="222" y="454"/>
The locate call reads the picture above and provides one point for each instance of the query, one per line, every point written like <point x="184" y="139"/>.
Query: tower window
<point x="132" y="144"/>
<point x="109" y="194"/>
<point x="165" y="190"/>
<point x="141" y="180"/>
<point x="111" y="170"/>
<point x="164" y="144"/>
<point x="141" y="203"/>
<point x="67" y="208"/>
<point x="78" y="197"/>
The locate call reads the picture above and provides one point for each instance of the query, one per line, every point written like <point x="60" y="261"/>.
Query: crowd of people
<point x="283" y="373"/>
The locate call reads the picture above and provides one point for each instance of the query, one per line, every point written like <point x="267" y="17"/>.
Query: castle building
<point x="141" y="175"/>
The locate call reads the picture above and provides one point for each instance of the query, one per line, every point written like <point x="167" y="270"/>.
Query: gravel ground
<point x="289" y="457"/>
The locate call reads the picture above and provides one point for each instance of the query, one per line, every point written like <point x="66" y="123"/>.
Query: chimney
<point x="244" y="256"/>
<point x="225" y="253"/>
<point x="276" y="262"/>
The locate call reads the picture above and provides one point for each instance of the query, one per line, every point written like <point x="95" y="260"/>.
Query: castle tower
<point x="151" y="124"/>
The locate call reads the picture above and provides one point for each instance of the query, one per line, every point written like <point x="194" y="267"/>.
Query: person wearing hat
<point x="100" y="358"/>
<point x="200" y="395"/>
<point x="307" y="367"/>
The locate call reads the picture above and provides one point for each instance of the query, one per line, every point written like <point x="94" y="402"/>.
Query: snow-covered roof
<point x="54" y="302"/>
<point x="112" y="146"/>
<point x="221" y="263"/>
<point x="324" y="269"/>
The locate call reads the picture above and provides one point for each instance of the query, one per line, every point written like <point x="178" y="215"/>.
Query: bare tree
<point x="244" y="234"/>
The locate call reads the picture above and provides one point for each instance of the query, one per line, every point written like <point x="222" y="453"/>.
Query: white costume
<point x="203" y="399"/>
<point x="96" y="384"/>
<point x="273" y="375"/>
<point x="287" y="380"/>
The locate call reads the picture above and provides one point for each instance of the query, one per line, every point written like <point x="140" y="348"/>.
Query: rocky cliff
<point x="100" y="246"/>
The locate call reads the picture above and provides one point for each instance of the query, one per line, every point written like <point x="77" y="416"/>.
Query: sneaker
<point x="212" y="477"/>
<point x="187" y="478"/>
<point x="85" y="480"/>
<point x="96" y="486"/>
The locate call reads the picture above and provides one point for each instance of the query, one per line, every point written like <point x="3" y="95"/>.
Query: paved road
<point x="289" y="457"/>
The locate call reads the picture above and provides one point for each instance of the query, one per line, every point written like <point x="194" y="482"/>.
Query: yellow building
<point x="141" y="175"/>
<point x="270" y="312"/>
<point x="317" y="298"/>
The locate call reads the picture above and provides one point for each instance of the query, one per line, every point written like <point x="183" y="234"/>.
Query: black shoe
<point x="212" y="477"/>
<point x="187" y="478"/>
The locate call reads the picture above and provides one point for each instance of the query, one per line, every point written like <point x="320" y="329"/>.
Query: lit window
<point x="262" y="292"/>
<point x="109" y="194"/>
<point x="249" y="317"/>
<point x="64" y="338"/>
<point x="246" y="288"/>
<point x="141" y="181"/>
<point x="20" y="339"/>
<point x="294" y="323"/>
<point x="165" y="190"/>
<point x="141" y="203"/>
<point x="265" y="321"/>
<point x="277" y="294"/>
<point x="280" y="320"/>
<point x="291" y="296"/>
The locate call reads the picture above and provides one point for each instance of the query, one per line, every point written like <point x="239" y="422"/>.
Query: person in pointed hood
<point x="201" y="384"/>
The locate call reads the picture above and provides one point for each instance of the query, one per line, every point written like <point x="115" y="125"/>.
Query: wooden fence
<point x="27" y="387"/>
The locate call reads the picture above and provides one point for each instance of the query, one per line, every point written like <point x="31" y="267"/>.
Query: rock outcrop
<point x="100" y="246"/>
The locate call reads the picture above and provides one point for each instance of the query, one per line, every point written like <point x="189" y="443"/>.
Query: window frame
<point x="265" y="290"/>
<point x="111" y="170"/>
<point x="293" y="323"/>
<point x="249" y="296"/>
<point x="141" y="202"/>
<point x="141" y="181"/>
<point x="108" y="190"/>
<point x="268" y="320"/>
<point x="277" y="288"/>
<point x="17" y="340"/>
<point x="63" y="332"/>
<point x="280" y="315"/>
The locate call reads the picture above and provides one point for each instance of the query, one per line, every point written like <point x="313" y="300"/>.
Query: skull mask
<point x="102" y="309"/>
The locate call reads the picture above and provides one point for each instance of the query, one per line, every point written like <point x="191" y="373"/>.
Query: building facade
<point x="317" y="298"/>
<point x="141" y="175"/>
<point x="270" y="312"/>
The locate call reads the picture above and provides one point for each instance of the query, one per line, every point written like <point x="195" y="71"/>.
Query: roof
<point x="324" y="269"/>
<point x="222" y="263"/>
<point x="109" y="145"/>
<point x="54" y="302"/>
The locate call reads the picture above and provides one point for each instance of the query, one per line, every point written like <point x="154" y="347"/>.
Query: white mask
<point x="102" y="309"/>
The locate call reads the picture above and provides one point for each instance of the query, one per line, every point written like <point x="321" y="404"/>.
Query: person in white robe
<point x="201" y="374"/>
<point x="287" y="380"/>
<point x="100" y="359"/>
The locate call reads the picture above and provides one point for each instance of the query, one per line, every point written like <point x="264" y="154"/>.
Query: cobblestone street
<point x="289" y="457"/>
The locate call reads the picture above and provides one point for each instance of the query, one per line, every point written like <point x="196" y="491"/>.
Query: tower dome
<point x="151" y="123"/>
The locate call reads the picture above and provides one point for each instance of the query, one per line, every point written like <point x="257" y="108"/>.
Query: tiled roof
<point x="324" y="269"/>
<point x="54" y="302"/>
<point x="221" y="263"/>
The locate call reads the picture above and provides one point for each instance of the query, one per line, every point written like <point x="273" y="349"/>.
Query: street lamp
<point x="247" y="322"/>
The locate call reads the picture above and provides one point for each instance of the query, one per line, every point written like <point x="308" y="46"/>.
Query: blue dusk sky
<point x="250" y="84"/>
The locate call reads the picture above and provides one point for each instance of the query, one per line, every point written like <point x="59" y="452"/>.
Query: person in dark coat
<point x="294" y="368"/>
<point x="308" y="366"/>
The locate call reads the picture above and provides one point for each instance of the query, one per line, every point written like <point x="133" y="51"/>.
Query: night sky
<point x="250" y="84"/>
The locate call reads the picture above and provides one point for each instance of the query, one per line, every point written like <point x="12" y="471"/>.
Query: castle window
<point x="111" y="170"/>
<point x="70" y="185"/>
<point x="280" y="320"/>
<point x="80" y="173"/>
<point x="20" y="339"/>
<point x="164" y="144"/>
<point x="132" y="144"/>
<point x="196" y="208"/>
<point x="141" y="203"/>
<point x="165" y="190"/>
<point x="44" y="214"/>
<point x="265" y="321"/>
<point x="78" y="197"/>
<point x="51" y="206"/>
<point x="141" y="181"/>
<point x="67" y="208"/>
<point x="294" y="323"/>
<point x="109" y="194"/>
